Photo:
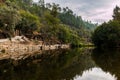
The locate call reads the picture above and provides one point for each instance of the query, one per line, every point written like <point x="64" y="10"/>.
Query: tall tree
<point x="41" y="3"/>
<point x="55" y="9"/>
<point x="116" y="13"/>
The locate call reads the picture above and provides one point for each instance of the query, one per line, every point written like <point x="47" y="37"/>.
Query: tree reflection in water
<point x="108" y="61"/>
<point x="52" y="65"/>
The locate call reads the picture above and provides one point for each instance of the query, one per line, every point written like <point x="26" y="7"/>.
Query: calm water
<point x="76" y="64"/>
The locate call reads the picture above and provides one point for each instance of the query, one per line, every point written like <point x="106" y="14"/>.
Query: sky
<point x="97" y="11"/>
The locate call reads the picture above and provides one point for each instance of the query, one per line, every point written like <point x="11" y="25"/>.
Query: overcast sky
<point x="94" y="10"/>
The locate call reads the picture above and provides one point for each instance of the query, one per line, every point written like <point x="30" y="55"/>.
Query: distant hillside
<point x="68" y="17"/>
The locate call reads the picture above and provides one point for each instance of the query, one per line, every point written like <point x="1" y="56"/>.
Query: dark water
<point x="75" y="64"/>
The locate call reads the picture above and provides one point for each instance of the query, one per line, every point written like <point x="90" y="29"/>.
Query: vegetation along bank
<point x="25" y="23"/>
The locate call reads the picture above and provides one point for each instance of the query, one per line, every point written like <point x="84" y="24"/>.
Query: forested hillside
<point x="108" y="34"/>
<point x="47" y="22"/>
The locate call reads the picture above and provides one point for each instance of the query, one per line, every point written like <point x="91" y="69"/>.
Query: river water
<point x="74" y="64"/>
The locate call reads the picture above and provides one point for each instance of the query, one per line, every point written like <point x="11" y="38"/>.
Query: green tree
<point x="29" y="23"/>
<point x="55" y="10"/>
<point x="107" y="35"/>
<point x="116" y="13"/>
<point x="50" y="19"/>
<point x="9" y="17"/>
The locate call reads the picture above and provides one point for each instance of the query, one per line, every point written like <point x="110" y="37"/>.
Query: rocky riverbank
<point x="21" y="49"/>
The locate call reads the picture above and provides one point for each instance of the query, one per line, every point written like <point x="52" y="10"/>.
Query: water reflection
<point x="95" y="74"/>
<point x="64" y="66"/>
<point x="76" y="64"/>
<point x="108" y="61"/>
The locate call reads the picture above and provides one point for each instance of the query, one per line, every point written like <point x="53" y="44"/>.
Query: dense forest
<point x="108" y="34"/>
<point x="43" y="21"/>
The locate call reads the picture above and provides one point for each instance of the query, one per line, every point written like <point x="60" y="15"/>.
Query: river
<point x="73" y="64"/>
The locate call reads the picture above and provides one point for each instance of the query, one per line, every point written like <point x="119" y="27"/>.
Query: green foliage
<point x="29" y="23"/>
<point x="116" y="13"/>
<point x="48" y="21"/>
<point x="9" y="17"/>
<point x="61" y="33"/>
<point x="64" y="34"/>
<point x="76" y="23"/>
<point x="67" y="17"/>
<point x="54" y="11"/>
<point x="67" y="35"/>
<point x="107" y="34"/>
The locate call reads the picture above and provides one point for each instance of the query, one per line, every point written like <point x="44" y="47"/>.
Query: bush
<point x="107" y="35"/>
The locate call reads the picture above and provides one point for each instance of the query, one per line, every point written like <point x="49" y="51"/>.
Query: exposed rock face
<point x="17" y="51"/>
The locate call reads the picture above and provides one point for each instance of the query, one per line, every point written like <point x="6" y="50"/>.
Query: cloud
<point x="95" y="74"/>
<point x="94" y="10"/>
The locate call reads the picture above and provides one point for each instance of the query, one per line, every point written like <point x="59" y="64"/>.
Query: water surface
<point x="74" y="64"/>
